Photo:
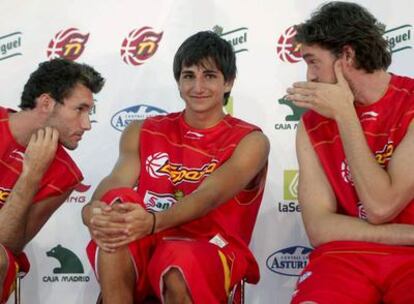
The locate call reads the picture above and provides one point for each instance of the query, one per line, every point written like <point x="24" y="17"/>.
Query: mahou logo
<point x="140" y="45"/>
<point x="68" y="44"/>
<point x="285" y="49"/>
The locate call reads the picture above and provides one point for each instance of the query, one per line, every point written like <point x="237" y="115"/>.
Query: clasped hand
<point x="114" y="226"/>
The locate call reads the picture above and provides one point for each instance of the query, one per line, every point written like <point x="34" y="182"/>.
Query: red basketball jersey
<point x="384" y="123"/>
<point x="176" y="158"/>
<point x="62" y="175"/>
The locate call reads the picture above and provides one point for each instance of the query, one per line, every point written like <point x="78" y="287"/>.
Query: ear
<point x="228" y="85"/>
<point x="45" y="103"/>
<point x="348" y="55"/>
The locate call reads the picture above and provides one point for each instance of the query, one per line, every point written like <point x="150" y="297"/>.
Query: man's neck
<point x="202" y="120"/>
<point x="368" y="88"/>
<point x="22" y="125"/>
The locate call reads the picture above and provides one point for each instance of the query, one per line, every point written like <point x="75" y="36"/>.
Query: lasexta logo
<point x="290" y="184"/>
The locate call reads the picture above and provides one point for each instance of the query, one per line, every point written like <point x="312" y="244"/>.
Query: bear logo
<point x="69" y="262"/>
<point x="297" y="112"/>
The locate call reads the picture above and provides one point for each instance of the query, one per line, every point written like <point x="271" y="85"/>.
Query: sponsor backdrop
<point x="132" y="44"/>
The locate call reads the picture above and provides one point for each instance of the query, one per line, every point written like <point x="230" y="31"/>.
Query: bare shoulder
<point x="130" y="136"/>
<point x="255" y="140"/>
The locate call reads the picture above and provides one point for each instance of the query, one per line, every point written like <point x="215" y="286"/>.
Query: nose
<point x="86" y="122"/>
<point x="198" y="85"/>
<point x="311" y="76"/>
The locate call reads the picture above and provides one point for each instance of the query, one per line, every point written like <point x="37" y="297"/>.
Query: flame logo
<point x="68" y="44"/>
<point x="286" y="50"/>
<point x="140" y="45"/>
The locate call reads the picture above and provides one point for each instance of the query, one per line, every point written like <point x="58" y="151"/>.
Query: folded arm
<point x="319" y="207"/>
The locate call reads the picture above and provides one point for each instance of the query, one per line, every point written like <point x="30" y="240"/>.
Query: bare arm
<point x="15" y="213"/>
<point x="237" y="173"/>
<point x="383" y="193"/>
<point x="106" y="225"/>
<point x="319" y="207"/>
<point x="247" y="161"/>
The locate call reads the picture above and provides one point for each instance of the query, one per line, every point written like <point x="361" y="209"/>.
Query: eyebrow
<point x="307" y="56"/>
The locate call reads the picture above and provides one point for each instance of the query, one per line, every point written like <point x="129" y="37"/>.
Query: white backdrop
<point x="106" y="34"/>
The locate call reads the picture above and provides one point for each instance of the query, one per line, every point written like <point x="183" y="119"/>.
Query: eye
<point x="211" y="76"/>
<point x="187" y="76"/>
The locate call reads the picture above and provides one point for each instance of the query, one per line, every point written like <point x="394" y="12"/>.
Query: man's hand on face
<point x="329" y="100"/>
<point x="40" y="152"/>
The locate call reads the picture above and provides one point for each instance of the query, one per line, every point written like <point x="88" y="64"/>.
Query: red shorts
<point x="345" y="272"/>
<point x="16" y="264"/>
<point x="206" y="268"/>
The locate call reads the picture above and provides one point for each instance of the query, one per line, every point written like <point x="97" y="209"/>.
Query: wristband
<point x="153" y="223"/>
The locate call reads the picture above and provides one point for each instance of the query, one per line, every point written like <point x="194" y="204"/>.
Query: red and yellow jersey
<point x="175" y="160"/>
<point x="62" y="175"/>
<point x="384" y="123"/>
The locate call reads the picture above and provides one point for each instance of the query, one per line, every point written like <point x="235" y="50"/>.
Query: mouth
<point x="77" y="136"/>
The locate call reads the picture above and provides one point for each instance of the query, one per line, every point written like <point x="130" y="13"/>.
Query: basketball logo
<point x="285" y="49"/>
<point x="68" y="44"/>
<point x="140" y="45"/>
<point x="155" y="162"/>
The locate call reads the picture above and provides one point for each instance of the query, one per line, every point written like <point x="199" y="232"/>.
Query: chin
<point x="70" y="146"/>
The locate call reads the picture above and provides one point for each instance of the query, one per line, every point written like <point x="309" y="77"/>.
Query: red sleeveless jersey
<point x="176" y="158"/>
<point x="384" y="123"/>
<point x="62" y="175"/>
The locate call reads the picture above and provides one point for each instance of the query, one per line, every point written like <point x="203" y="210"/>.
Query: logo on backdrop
<point x="292" y="119"/>
<point x="140" y="45"/>
<point x="68" y="44"/>
<point x="10" y="45"/>
<point x="289" y="261"/>
<point x="92" y="112"/>
<point x="123" y="118"/>
<point x="70" y="267"/>
<point x="237" y="37"/>
<point x="285" y="48"/>
<point x="289" y="204"/>
<point x="78" y="195"/>
<point x="399" y="38"/>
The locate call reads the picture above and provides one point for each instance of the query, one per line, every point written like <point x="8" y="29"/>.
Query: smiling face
<point x="71" y="118"/>
<point x="320" y="64"/>
<point x="202" y="87"/>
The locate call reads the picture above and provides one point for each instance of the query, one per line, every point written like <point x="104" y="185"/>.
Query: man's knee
<point x="175" y="287"/>
<point x="116" y="266"/>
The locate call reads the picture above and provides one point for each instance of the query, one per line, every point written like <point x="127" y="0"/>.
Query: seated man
<point x="200" y="176"/>
<point x="355" y="148"/>
<point x="36" y="173"/>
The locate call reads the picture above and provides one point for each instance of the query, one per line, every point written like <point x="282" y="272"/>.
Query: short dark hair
<point x="58" y="77"/>
<point x="206" y="45"/>
<point x="337" y="24"/>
